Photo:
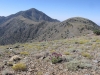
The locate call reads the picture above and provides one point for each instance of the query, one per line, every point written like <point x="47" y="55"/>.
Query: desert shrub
<point x="39" y="73"/>
<point x="52" y="51"/>
<point x="67" y="53"/>
<point x="85" y="54"/>
<point x="83" y="41"/>
<point x="75" y="65"/>
<point x="97" y="40"/>
<point x="55" y="58"/>
<point x="97" y="32"/>
<point x="19" y="67"/>
<point x="24" y="53"/>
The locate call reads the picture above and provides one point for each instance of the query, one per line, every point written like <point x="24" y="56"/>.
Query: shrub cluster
<point x="75" y="65"/>
<point x="97" y="32"/>
<point x="19" y="67"/>
<point x="56" y="58"/>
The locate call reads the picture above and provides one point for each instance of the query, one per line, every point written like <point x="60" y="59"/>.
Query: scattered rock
<point x="95" y="61"/>
<point x="15" y="58"/>
<point x="60" y="67"/>
<point x="39" y="62"/>
<point x="9" y="63"/>
<point x="5" y="62"/>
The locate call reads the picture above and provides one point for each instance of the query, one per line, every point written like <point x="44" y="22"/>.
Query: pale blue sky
<point x="57" y="9"/>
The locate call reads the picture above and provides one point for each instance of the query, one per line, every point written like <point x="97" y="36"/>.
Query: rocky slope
<point x="73" y="56"/>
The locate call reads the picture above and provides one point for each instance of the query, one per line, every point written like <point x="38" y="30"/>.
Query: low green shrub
<point x="97" y="32"/>
<point x="56" y="58"/>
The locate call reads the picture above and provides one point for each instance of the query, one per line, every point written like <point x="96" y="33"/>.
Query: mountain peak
<point x="33" y="9"/>
<point x="31" y="14"/>
<point x="37" y="15"/>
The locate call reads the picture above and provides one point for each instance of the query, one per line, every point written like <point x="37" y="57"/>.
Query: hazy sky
<point x="57" y="9"/>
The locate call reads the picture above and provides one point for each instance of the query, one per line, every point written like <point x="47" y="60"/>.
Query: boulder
<point x="15" y="58"/>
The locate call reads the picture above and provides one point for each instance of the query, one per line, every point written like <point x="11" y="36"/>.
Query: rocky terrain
<point x="71" y="56"/>
<point x="34" y="25"/>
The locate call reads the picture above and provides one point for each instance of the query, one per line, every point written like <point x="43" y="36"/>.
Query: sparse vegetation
<point x="19" y="67"/>
<point x="67" y="53"/>
<point x="75" y="65"/>
<point x="74" y="55"/>
<point x="83" y="41"/>
<point x="52" y="51"/>
<point x="24" y="53"/>
<point x="87" y="55"/>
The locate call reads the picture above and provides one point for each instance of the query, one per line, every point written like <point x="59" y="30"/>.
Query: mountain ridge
<point x="35" y="25"/>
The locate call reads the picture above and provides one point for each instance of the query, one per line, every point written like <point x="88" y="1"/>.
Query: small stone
<point x="15" y="58"/>
<point x="95" y="61"/>
<point x="30" y="70"/>
<point x="60" y="67"/>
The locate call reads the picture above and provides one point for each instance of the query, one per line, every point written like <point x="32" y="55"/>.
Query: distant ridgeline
<point x="35" y="25"/>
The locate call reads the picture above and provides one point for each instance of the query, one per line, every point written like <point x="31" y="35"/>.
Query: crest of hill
<point x="83" y="21"/>
<point x="69" y="28"/>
